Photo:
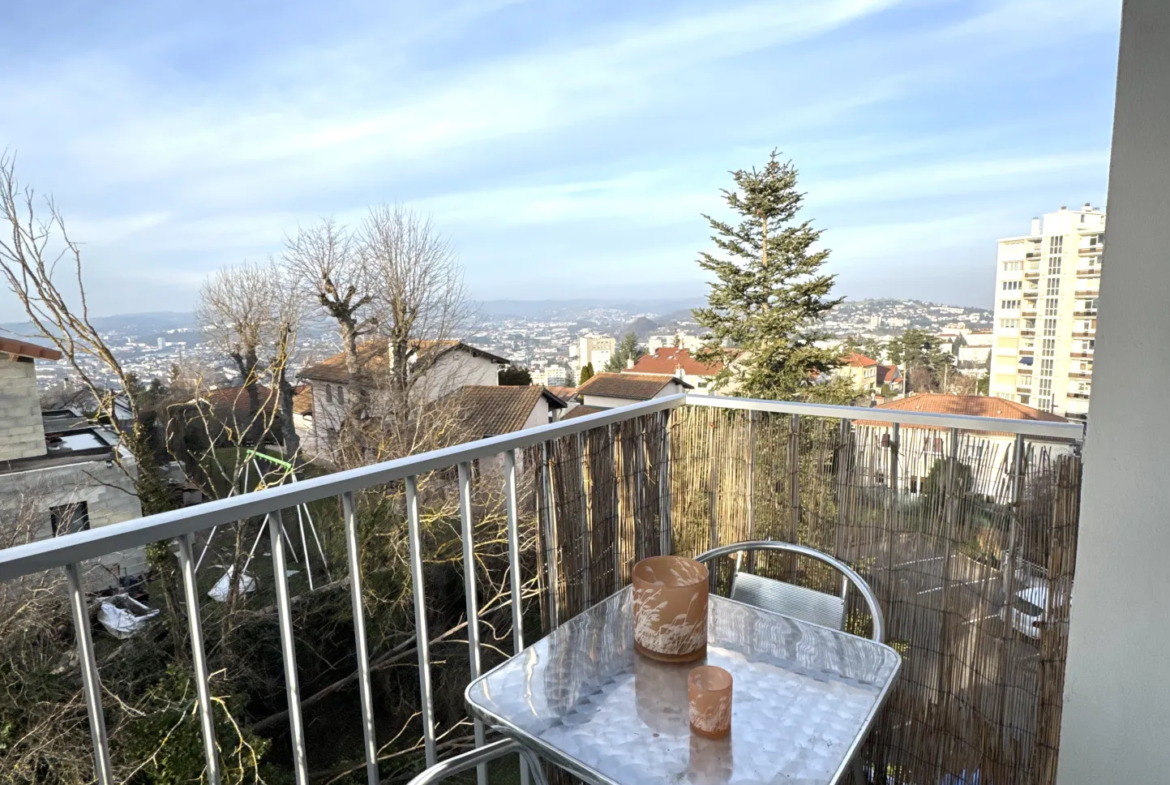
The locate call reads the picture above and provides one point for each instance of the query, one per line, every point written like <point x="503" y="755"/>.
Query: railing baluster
<point x="550" y="538"/>
<point x="586" y="555"/>
<point x="794" y="469"/>
<point x="514" y="568"/>
<point x="422" y="643"/>
<point x="287" y="646"/>
<point x="90" y="683"/>
<point x="348" y="509"/>
<point x="470" y="595"/>
<point x="198" y="656"/>
<point x="665" y="544"/>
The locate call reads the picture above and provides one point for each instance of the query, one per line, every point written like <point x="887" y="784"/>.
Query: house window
<point x="1011" y="286"/>
<point x="1053" y="287"/>
<point x="1048" y="347"/>
<point x="1009" y="305"/>
<point x="1051" y="306"/>
<point x="328" y="394"/>
<point x="1012" y="267"/>
<point x="1024" y="399"/>
<point x="69" y="518"/>
<point x="341" y="395"/>
<point x="1049" y="328"/>
<point x="1055" y="246"/>
<point x="1009" y="324"/>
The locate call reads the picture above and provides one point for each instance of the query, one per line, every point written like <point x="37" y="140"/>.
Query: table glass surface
<point x="802" y="696"/>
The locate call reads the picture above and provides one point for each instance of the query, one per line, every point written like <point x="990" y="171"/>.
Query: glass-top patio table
<point x="804" y="700"/>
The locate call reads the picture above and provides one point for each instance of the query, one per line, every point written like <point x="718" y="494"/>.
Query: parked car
<point x="1029" y="605"/>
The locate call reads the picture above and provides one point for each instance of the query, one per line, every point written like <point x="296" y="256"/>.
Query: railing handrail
<point x="74" y="548"/>
<point x="1034" y="428"/>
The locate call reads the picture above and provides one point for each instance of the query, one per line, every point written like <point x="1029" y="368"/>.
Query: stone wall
<point x="22" y="435"/>
<point x="109" y="496"/>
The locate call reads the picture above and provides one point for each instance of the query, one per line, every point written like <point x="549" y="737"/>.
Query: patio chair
<point x="827" y="610"/>
<point x="472" y="758"/>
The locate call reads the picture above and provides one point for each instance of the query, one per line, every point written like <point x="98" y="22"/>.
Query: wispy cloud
<point x="586" y="131"/>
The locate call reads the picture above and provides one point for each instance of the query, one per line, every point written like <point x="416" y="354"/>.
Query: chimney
<point x="629" y="363"/>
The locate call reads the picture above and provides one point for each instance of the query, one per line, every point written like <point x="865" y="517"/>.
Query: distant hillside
<point x="642" y="327"/>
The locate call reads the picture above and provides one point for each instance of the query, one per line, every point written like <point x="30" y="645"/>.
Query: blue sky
<point x="567" y="149"/>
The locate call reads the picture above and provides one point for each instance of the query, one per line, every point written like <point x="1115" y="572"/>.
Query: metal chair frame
<point x="849" y="576"/>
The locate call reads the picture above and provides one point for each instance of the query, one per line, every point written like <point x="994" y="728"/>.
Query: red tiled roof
<point x="23" y="349"/>
<point x="855" y="360"/>
<point x="234" y="403"/>
<point x="488" y="410"/>
<point x="887" y="374"/>
<point x="635" y="386"/>
<point x="971" y="405"/>
<point x="668" y="359"/>
<point x="303" y="399"/>
<point x="374" y="356"/>
<point x="581" y="411"/>
<point x="564" y="393"/>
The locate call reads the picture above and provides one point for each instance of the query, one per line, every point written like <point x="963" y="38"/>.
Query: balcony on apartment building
<point x="960" y="524"/>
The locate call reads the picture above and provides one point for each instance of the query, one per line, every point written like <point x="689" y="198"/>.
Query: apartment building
<point x="1046" y="285"/>
<point x="595" y="349"/>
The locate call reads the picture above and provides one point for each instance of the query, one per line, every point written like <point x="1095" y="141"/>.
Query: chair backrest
<point x="798" y="602"/>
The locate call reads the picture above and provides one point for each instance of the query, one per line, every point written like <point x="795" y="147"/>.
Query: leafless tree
<point x="322" y="261"/>
<point x="42" y="265"/>
<point x="420" y="305"/>
<point x="252" y="313"/>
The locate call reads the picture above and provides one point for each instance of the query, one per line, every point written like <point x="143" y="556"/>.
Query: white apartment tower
<point x="1046" y="286"/>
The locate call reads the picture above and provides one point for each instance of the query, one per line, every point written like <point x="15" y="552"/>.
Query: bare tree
<point x="42" y="266"/>
<point x="322" y="261"/>
<point x="420" y="306"/>
<point x="253" y="314"/>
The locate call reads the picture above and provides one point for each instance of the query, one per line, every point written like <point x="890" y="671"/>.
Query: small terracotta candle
<point x="709" y="690"/>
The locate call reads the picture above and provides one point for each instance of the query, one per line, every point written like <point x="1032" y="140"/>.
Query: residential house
<point x="859" y="369"/>
<point x="681" y="364"/>
<point x="59" y="473"/>
<point x="487" y="410"/>
<point x="566" y="394"/>
<point x="889" y="377"/>
<point x="923" y="446"/>
<point x="446" y="367"/>
<point x="610" y="390"/>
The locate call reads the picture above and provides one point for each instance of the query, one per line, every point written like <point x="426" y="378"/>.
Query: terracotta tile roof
<point x="233" y="402"/>
<point x="970" y="405"/>
<point x="564" y="393"/>
<point x="888" y="374"/>
<point x="24" y="349"/>
<point x="668" y="359"/>
<point x="488" y="410"/>
<point x="855" y="360"/>
<point x="374" y="357"/>
<point x="581" y="411"/>
<point x="303" y="399"/>
<point x="635" y="386"/>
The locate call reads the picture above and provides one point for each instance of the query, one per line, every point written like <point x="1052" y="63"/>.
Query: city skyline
<point x="571" y="150"/>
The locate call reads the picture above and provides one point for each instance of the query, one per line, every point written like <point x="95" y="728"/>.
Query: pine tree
<point x="586" y="373"/>
<point x="768" y="294"/>
<point x="627" y="349"/>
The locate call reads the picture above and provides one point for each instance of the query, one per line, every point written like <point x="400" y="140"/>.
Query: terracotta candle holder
<point x="709" y="691"/>
<point x="670" y="608"/>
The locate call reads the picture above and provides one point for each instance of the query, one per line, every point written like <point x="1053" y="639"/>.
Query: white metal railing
<point x="68" y="552"/>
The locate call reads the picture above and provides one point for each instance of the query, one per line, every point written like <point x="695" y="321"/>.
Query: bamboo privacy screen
<point x="925" y="515"/>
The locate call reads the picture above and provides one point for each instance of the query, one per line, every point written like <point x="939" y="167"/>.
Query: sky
<point x="566" y="149"/>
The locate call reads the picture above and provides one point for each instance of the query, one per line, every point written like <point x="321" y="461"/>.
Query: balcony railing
<point x="1088" y="272"/>
<point x="948" y="517"/>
